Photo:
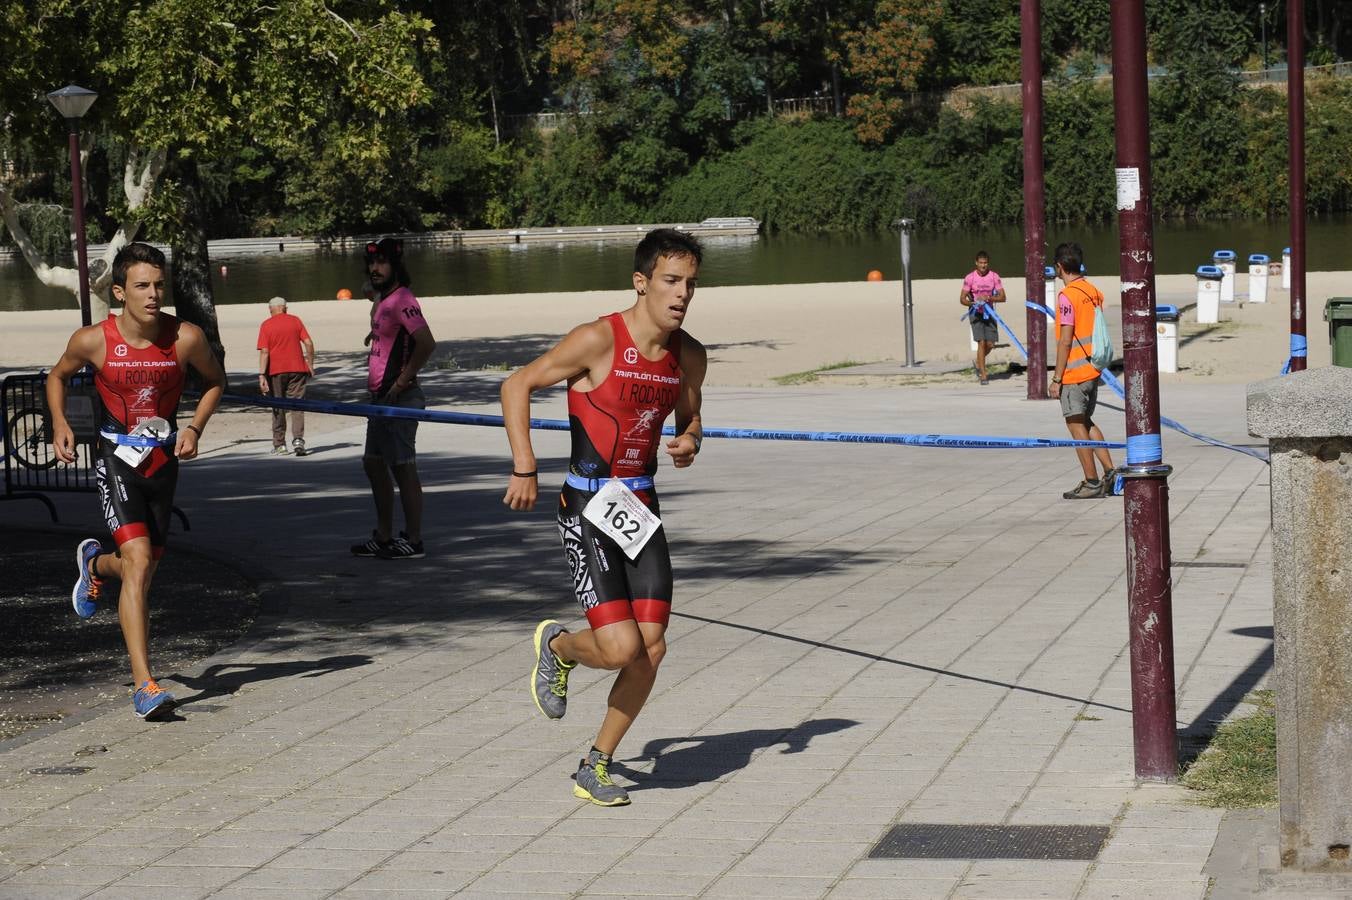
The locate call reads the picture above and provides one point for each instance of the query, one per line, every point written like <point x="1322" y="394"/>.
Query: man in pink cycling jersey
<point x="982" y="287"/>
<point x="400" y="344"/>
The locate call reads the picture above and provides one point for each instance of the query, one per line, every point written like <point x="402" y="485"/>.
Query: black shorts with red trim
<point x="137" y="502"/>
<point x="609" y="586"/>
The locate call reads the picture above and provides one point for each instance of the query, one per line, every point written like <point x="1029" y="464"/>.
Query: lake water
<point x="771" y="259"/>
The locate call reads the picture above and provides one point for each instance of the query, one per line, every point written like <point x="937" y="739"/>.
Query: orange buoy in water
<point x="344" y="294"/>
<point x="875" y="275"/>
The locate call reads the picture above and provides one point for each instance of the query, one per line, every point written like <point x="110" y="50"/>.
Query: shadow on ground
<point x="687" y="761"/>
<point x="52" y="663"/>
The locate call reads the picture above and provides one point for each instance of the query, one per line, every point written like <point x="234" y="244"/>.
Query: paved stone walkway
<point x="863" y="636"/>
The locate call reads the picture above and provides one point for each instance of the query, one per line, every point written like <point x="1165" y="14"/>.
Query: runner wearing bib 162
<point x="626" y="372"/>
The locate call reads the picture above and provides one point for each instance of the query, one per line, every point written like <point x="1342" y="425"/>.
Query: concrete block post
<point x="1307" y="419"/>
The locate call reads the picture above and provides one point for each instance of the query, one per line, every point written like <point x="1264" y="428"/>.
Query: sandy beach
<point x="754" y="334"/>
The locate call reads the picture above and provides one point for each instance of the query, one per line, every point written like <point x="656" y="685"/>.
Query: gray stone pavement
<point x="863" y="636"/>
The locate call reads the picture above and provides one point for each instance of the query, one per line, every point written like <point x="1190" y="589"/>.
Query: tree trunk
<point x="191" y="264"/>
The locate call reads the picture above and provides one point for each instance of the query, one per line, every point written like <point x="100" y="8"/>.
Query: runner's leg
<point x="632" y="687"/>
<point x="135" y="569"/>
<point x="613" y="646"/>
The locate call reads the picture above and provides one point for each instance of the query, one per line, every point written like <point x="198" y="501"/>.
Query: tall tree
<point x="43" y="49"/>
<point x="885" y="58"/>
<point x="189" y="83"/>
<point x="306" y="79"/>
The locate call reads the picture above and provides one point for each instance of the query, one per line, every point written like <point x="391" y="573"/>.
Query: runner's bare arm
<point x="81" y="350"/>
<point x="579" y="355"/>
<point x="196" y="352"/>
<point x="689" y="428"/>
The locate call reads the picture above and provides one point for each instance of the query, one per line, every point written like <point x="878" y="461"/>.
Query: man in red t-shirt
<point x="286" y="360"/>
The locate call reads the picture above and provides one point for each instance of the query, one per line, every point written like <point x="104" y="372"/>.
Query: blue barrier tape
<point x="967" y="441"/>
<point x="139" y="440"/>
<point x="1009" y="331"/>
<point x="1111" y="380"/>
<point x="1144" y="448"/>
<point x="1299" y="350"/>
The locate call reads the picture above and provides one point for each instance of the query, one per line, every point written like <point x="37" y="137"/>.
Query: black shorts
<point x="611" y="587"/>
<point x="136" y="504"/>
<point x="985" y="330"/>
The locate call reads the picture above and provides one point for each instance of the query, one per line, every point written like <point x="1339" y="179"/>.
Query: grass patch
<point x="1239" y="768"/>
<point x="811" y="375"/>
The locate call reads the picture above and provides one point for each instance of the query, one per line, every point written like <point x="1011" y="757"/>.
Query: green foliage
<point x="792" y="176"/>
<point x="342" y="116"/>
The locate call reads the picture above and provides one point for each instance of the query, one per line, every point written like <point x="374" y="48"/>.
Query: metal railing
<point x="32" y="469"/>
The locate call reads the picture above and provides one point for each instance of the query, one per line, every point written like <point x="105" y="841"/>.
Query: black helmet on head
<point x="392" y="251"/>
<point x="390" y="248"/>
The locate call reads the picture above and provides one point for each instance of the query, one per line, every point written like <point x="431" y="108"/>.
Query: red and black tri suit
<point x="617" y="433"/>
<point x="136" y="385"/>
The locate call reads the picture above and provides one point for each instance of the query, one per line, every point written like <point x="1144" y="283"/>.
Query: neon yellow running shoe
<point x="549" y="677"/>
<point x="594" y="784"/>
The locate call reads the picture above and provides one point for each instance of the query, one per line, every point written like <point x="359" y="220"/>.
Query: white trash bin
<point x="1258" y="277"/>
<point x="1225" y="261"/>
<point x="1286" y="269"/>
<point x="1209" y="280"/>
<point x="1166" y="337"/>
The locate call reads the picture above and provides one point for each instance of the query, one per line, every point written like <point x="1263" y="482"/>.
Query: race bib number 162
<point x="618" y="512"/>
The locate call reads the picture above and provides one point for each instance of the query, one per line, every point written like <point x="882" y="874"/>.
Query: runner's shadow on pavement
<point x="698" y="760"/>
<point x="224" y="679"/>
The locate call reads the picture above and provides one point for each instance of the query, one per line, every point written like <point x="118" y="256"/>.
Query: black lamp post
<point x="72" y="103"/>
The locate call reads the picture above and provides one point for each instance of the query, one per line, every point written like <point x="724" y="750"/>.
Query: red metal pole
<point x="1295" y="118"/>
<point x="1034" y="207"/>
<point x="1146" y="501"/>
<point x="81" y="258"/>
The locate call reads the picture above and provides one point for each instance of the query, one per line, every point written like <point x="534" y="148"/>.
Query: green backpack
<point x="1102" y="354"/>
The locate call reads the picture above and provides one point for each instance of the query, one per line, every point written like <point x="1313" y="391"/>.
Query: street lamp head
<point x="906" y="225"/>
<point x="72" y="102"/>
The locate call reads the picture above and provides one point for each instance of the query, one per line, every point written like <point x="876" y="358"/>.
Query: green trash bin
<point x="1338" y="313"/>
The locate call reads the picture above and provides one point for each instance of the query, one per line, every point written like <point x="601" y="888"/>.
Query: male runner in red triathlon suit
<point x="626" y="373"/>
<point x="140" y="358"/>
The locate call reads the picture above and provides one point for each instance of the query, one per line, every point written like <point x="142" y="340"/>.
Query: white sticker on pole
<point x="619" y="513"/>
<point x="1128" y="187"/>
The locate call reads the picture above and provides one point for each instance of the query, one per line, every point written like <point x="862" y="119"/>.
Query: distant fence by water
<point x="734" y="226"/>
